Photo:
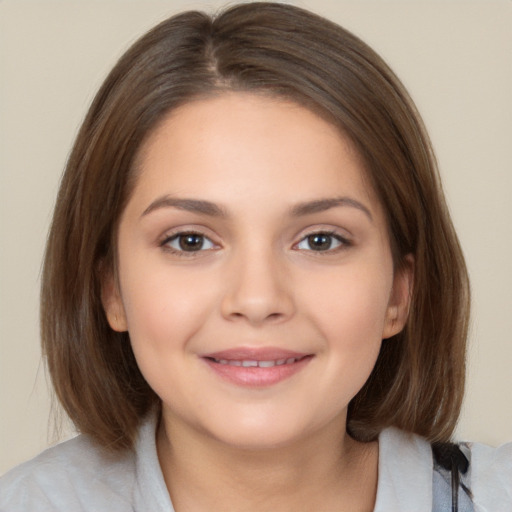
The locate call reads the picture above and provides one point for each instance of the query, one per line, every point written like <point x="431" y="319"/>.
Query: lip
<point x="256" y="354"/>
<point x="241" y="365"/>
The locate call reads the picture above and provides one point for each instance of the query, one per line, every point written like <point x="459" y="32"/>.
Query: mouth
<point x="253" y="363"/>
<point x="256" y="368"/>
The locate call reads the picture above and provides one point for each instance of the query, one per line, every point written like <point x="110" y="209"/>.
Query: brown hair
<point x="417" y="383"/>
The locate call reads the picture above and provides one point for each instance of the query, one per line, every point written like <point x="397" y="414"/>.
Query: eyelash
<point x="176" y="236"/>
<point x="344" y="243"/>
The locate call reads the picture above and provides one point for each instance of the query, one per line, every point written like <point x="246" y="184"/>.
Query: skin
<point x="256" y="281"/>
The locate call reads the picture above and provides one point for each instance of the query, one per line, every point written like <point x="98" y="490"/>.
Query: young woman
<point x="253" y="297"/>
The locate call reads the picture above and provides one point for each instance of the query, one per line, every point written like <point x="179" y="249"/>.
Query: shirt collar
<point x="405" y="472"/>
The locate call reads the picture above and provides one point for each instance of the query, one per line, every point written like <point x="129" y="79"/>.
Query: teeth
<point x="251" y="363"/>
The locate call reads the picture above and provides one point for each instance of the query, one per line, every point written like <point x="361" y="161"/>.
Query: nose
<point x="257" y="289"/>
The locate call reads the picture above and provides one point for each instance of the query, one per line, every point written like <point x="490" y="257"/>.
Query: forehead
<point x="250" y="147"/>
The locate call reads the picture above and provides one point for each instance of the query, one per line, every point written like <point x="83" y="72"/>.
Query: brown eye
<point x="321" y="242"/>
<point x="189" y="242"/>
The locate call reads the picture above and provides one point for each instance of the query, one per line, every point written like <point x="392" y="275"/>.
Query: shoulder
<point x="406" y="474"/>
<point x="72" y="475"/>
<point x="491" y="476"/>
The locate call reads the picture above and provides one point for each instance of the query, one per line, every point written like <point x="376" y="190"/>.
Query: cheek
<point x="350" y="310"/>
<point x="164" y="307"/>
<point x="352" y="324"/>
<point x="353" y="305"/>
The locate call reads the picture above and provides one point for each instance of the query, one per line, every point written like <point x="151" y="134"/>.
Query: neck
<point x="328" y="471"/>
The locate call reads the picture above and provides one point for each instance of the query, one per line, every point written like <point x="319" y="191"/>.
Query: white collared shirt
<point x="78" y="476"/>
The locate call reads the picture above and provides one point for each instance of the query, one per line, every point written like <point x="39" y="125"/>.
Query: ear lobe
<point x="112" y="304"/>
<point x="400" y="299"/>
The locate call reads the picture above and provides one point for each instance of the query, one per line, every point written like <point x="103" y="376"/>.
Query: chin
<point x="257" y="433"/>
<point x="259" y="441"/>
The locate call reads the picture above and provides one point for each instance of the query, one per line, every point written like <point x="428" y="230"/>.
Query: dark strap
<point x="450" y="457"/>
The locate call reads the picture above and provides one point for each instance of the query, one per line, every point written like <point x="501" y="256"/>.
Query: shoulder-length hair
<point x="284" y="51"/>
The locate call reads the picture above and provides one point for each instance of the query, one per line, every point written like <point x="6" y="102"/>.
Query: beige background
<point x="455" y="58"/>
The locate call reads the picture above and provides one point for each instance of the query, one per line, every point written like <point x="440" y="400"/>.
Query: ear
<point x="400" y="299"/>
<point x="112" y="303"/>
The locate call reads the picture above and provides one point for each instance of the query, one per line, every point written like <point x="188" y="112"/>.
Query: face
<point x="255" y="272"/>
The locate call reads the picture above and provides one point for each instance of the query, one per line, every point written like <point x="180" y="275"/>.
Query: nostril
<point x="257" y="317"/>
<point x="256" y="305"/>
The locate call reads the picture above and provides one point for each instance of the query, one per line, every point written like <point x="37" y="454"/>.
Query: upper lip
<point x="255" y="354"/>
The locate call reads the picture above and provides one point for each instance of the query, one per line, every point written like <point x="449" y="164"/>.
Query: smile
<point x="252" y="363"/>
<point x="256" y="368"/>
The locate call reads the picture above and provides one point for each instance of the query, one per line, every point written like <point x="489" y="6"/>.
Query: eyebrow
<point x="321" y="205"/>
<point x="189" y="205"/>
<point x="213" y="210"/>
